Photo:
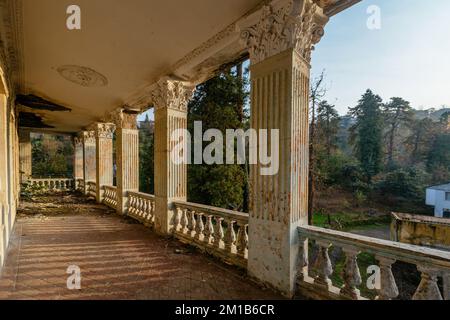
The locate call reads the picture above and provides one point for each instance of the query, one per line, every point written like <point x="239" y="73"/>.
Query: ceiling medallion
<point x="83" y="76"/>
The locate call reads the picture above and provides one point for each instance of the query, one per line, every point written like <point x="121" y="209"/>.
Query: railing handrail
<point x="395" y="250"/>
<point x="141" y="194"/>
<point x="110" y="187"/>
<point x="51" y="179"/>
<point x="224" y="213"/>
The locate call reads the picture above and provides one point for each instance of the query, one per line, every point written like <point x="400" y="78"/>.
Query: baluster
<point x="446" y="284"/>
<point x="139" y="207"/>
<point x="145" y="209"/>
<point x="428" y="288"/>
<point x="192" y="223"/>
<point x="200" y="227"/>
<point x="177" y="219"/>
<point x="184" y="221"/>
<point x="241" y="243"/>
<point x="218" y="233"/>
<point x="230" y="236"/>
<point x="209" y="230"/>
<point x="387" y="287"/>
<point x="303" y="259"/>
<point x="133" y="205"/>
<point x="323" y="265"/>
<point x="351" y="274"/>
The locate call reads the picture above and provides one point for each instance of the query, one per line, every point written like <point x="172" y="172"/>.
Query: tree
<point x="418" y="140"/>
<point x="328" y="126"/>
<point x="146" y="157"/>
<point x="216" y="103"/>
<point x="396" y="113"/>
<point x="366" y="134"/>
<point x="317" y="93"/>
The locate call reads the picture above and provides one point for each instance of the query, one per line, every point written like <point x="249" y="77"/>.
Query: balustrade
<point x="142" y="207"/>
<point x="52" y="184"/>
<point x="218" y="231"/>
<point x="110" y="197"/>
<point x="92" y="189"/>
<point x="432" y="264"/>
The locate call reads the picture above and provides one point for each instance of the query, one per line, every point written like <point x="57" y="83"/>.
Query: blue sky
<point x="408" y="57"/>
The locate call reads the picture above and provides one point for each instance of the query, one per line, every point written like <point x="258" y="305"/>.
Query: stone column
<point x="78" y="169"/>
<point x="89" y="162"/>
<point x="25" y="155"/>
<point x="280" y="38"/>
<point x="104" y="154"/>
<point x="127" y="157"/>
<point x="170" y="101"/>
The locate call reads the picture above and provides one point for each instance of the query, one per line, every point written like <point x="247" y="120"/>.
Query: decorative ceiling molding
<point x="83" y="76"/>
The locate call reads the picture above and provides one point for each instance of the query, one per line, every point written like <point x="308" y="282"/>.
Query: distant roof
<point x="442" y="187"/>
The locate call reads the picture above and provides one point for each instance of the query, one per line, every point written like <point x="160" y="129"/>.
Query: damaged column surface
<point x="78" y="171"/>
<point x="127" y="156"/>
<point x="104" y="133"/>
<point x="89" y="162"/>
<point x="280" y="38"/>
<point x="25" y="155"/>
<point x="170" y="101"/>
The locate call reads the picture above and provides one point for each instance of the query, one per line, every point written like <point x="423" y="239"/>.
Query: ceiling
<point x="68" y="79"/>
<point x="122" y="45"/>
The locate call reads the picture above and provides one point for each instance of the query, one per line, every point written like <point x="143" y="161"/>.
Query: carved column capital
<point x="78" y="140"/>
<point x="282" y="25"/>
<point x="172" y="94"/>
<point x="88" y="137"/>
<point x="124" y="119"/>
<point x="105" y="130"/>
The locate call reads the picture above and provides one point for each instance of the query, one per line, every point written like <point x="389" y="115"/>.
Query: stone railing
<point x="79" y="184"/>
<point x="432" y="264"/>
<point x="110" y="197"/>
<point x="142" y="207"/>
<point x="62" y="184"/>
<point x="220" y="232"/>
<point x="92" y="189"/>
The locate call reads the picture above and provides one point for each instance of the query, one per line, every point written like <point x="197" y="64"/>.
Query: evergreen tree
<point x="396" y="113"/>
<point x="367" y="133"/>
<point x="419" y="139"/>
<point x="217" y="103"/>
<point x="146" y="158"/>
<point x="328" y="126"/>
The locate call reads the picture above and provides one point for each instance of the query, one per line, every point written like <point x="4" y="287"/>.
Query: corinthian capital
<point x="172" y="94"/>
<point x="89" y="137"/>
<point x="105" y="130"/>
<point x="124" y="119"/>
<point x="282" y="25"/>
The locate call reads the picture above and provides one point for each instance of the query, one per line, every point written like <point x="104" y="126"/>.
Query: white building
<point x="439" y="197"/>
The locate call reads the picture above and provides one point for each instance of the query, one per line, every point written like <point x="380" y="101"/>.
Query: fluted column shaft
<point x="170" y="100"/>
<point x="127" y="158"/>
<point x="89" y="159"/>
<point x="279" y="39"/>
<point x="78" y="169"/>
<point x="25" y="155"/>
<point x="104" y="153"/>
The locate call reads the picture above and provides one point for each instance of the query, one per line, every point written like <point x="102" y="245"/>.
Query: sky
<point x="408" y="57"/>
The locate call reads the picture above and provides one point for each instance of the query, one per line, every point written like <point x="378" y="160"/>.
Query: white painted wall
<point x="437" y="198"/>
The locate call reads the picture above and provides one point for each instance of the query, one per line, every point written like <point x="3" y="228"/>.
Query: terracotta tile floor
<point x="118" y="259"/>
